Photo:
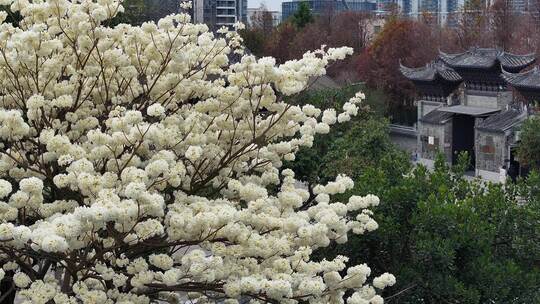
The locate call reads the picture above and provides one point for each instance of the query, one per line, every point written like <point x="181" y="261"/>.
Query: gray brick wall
<point x="442" y="138"/>
<point x="489" y="100"/>
<point x="426" y="106"/>
<point x="491" y="150"/>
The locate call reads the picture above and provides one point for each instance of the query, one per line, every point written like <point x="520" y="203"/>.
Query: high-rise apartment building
<point x="254" y="14"/>
<point x="441" y="10"/>
<point x="218" y="13"/>
<point x="319" y="7"/>
<point x="387" y="5"/>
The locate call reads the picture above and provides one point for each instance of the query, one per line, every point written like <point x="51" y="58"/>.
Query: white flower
<point x="65" y="160"/>
<point x="99" y="14"/>
<point x="193" y="153"/>
<point x="135" y="189"/>
<point x="350" y="108"/>
<point x="6" y="231"/>
<point x="339" y="53"/>
<point x="384" y="281"/>
<point x="343" y="117"/>
<point x="64" y="101"/>
<point x="21" y="280"/>
<point x="322" y="128"/>
<point x="359" y="202"/>
<point x="371" y="225"/>
<point x="148" y="229"/>
<point x="155" y="110"/>
<point x="357" y="298"/>
<point x="5" y="188"/>
<point x="358" y="98"/>
<point x="171" y="277"/>
<point x="153" y="159"/>
<point x="54" y="243"/>
<point x="329" y="116"/>
<point x="186" y="5"/>
<point x="31" y="185"/>
<point x="239" y="26"/>
<point x="149" y="27"/>
<point x="376" y="300"/>
<point x="310" y="110"/>
<point x="162" y="261"/>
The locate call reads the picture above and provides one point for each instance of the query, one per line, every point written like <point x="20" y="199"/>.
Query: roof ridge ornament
<point x="430" y="72"/>
<point x="505" y="72"/>
<point x="486" y="59"/>
<point x="525" y="80"/>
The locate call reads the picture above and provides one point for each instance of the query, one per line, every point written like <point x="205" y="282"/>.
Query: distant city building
<point x="253" y="13"/>
<point x="519" y="5"/>
<point x="373" y="26"/>
<point x="319" y="7"/>
<point x="441" y="10"/>
<point x="218" y="13"/>
<point x="408" y="6"/>
<point x="444" y="12"/>
<point x="388" y="5"/>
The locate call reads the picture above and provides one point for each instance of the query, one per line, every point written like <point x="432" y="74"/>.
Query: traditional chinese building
<point x="527" y="87"/>
<point x="436" y="84"/>
<point x="527" y="84"/>
<point x="465" y="105"/>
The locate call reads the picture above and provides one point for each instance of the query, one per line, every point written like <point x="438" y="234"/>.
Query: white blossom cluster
<point x="138" y="164"/>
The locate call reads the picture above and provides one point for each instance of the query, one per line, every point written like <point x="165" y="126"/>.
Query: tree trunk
<point x="7" y="290"/>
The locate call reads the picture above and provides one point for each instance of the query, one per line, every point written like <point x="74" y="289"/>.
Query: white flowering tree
<point x="138" y="165"/>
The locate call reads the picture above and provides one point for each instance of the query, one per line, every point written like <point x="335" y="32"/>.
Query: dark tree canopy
<point x="529" y="147"/>
<point x="303" y="15"/>
<point x="447" y="239"/>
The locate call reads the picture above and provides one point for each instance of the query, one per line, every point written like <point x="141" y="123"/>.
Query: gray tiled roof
<point x="430" y="71"/>
<point x="436" y="117"/>
<point x="485" y="58"/>
<point x="468" y="110"/>
<point x="502" y="121"/>
<point x="527" y="80"/>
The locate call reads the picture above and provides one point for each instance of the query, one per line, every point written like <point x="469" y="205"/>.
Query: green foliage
<point x="303" y="15"/>
<point x="254" y="40"/>
<point x="529" y="147"/>
<point x="451" y="240"/>
<point x="135" y="12"/>
<point x="13" y="18"/>
<point x="448" y="239"/>
<point x="349" y="147"/>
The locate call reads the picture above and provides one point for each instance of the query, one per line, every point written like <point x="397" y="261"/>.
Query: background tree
<point x="254" y="40"/>
<point x="11" y="17"/>
<point x="529" y="145"/>
<point x="354" y="146"/>
<point x="473" y="25"/>
<point x="334" y="30"/>
<point x="427" y="227"/>
<point x="302" y="16"/>
<point x="451" y="240"/>
<point x="255" y="36"/>
<point x="262" y="20"/>
<point x="503" y="23"/>
<point x="411" y="42"/>
<point x="279" y="44"/>
<point x="136" y="12"/>
<point x="137" y="165"/>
